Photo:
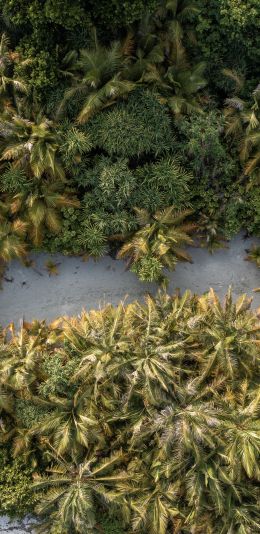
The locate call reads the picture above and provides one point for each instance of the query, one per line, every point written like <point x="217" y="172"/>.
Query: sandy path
<point x="33" y="294"/>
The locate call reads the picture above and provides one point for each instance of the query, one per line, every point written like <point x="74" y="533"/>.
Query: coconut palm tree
<point x="175" y="14"/>
<point x="9" y="86"/>
<point x="178" y="86"/>
<point x="229" y="338"/>
<point x="70" y="503"/>
<point x="158" y="239"/>
<point x="12" y="235"/>
<point x="39" y="207"/>
<point x="32" y="145"/>
<point x="154" y="512"/>
<point x="21" y="359"/>
<point x="98" y="76"/>
<point x="161" y="55"/>
<point x="158" y="420"/>
<point x="242" y="124"/>
<point x="72" y="426"/>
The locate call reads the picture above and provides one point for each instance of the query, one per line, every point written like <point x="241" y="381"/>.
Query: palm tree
<point x="72" y="426"/>
<point x="229" y="337"/>
<point x="160" y="58"/>
<point x="242" y="124"/>
<point x="12" y="236"/>
<point x="102" y="340"/>
<point x="6" y="401"/>
<point x="179" y="86"/>
<point x="154" y="512"/>
<point x="70" y="503"/>
<point x="21" y="360"/>
<point x="9" y="86"/>
<point x="158" y="239"/>
<point x="39" y="208"/>
<point x="98" y="75"/>
<point x="175" y="13"/>
<point x="158" y="420"/>
<point x="32" y="145"/>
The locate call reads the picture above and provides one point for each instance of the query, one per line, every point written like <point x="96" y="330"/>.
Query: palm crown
<point x="159" y="239"/>
<point x="98" y="75"/>
<point x="32" y="145"/>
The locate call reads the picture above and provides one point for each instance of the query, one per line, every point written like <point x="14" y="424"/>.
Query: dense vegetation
<point x="127" y="107"/>
<point x="140" y="418"/>
<point x="131" y="128"/>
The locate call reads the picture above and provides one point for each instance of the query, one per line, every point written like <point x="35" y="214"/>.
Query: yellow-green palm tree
<point x="98" y="75"/>
<point x="32" y="145"/>
<point x="9" y="86"/>
<point x="74" y="490"/>
<point x="12" y="236"/>
<point x="39" y="207"/>
<point x="157" y="244"/>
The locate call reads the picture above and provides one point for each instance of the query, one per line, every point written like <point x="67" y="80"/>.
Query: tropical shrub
<point x="17" y="497"/>
<point x="95" y="121"/>
<point x="242" y="124"/>
<point x="227" y="36"/>
<point x="136" y="128"/>
<point x="216" y="190"/>
<point x="140" y="418"/>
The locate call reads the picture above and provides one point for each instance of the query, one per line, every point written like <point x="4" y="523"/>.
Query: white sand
<point x="34" y="294"/>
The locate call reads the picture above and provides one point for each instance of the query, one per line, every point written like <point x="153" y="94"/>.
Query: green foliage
<point x="148" y="268"/>
<point x="29" y="414"/>
<point x="39" y="68"/>
<point x="58" y="374"/>
<point x="14" y="180"/>
<point x="111" y="525"/>
<point x="119" y="116"/>
<point x="114" y="189"/>
<point x="165" y="181"/>
<point x="140" y="126"/>
<point x="17" y="497"/>
<point x="115" y="14"/>
<point x="92" y="240"/>
<point x="68" y="14"/>
<point x="112" y="182"/>
<point x="227" y="35"/>
<point x="215" y="169"/>
<point x="75" y="143"/>
<point x="252" y="211"/>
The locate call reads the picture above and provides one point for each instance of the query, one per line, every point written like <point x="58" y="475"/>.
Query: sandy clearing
<point x="34" y="294"/>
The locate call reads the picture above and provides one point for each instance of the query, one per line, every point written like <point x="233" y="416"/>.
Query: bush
<point x="138" y="127"/>
<point x="17" y="497"/>
<point x="227" y="33"/>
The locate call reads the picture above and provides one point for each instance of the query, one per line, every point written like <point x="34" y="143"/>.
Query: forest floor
<point x="31" y="293"/>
